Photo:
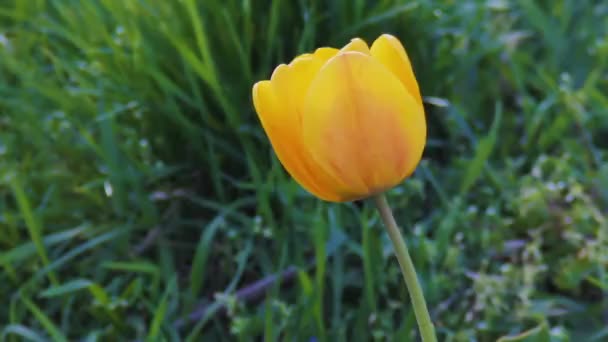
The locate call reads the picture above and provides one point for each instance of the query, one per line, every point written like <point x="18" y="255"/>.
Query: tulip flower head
<point x="346" y="124"/>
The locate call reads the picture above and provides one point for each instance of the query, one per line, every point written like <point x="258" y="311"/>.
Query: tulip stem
<point x="427" y="330"/>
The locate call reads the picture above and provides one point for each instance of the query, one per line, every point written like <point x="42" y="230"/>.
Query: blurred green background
<point x="140" y="199"/>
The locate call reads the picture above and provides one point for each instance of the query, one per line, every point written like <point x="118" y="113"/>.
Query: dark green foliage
<point x="137" y="188"/>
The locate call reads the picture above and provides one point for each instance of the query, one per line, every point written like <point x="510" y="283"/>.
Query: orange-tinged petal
<point x="388" y="50"/>
<point x="361" y="125"/>
<point x="291" y="81"/>
<point x="284" y="136"/>
<point x="358" y="45"/>
<point x="282" y="124"/>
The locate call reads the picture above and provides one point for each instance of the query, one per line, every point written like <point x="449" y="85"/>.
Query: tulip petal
<point x="388" y="50"/>
<point x="291" y="82"/>
<point x="302" y="56"/>
<point x="322" y="54"/>
<point x="285" y="139"/>
<point x="276" y="102"/>
<point x="358" y="45"/>
<point x="325" y="53"/>
<point x="361" y="125"/>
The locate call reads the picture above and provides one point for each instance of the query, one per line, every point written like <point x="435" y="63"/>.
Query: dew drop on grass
<point x="107" y="187"/>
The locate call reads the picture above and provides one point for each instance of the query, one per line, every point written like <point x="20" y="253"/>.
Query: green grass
<point x="139" y="195"/>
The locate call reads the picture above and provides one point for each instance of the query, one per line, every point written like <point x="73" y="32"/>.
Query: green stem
<point x="427" y="330"/>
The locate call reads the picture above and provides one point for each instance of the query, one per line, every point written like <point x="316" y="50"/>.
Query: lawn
<point x="141" y="200"/>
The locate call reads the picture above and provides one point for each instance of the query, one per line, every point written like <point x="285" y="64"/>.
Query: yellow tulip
<point x="346" y="124"/>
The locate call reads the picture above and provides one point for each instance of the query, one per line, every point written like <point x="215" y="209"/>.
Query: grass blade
<point x="45" y="321"/>
<point x="33" y="226"/>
